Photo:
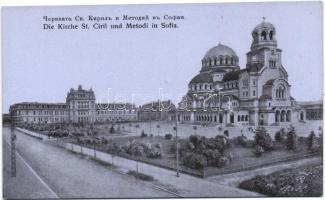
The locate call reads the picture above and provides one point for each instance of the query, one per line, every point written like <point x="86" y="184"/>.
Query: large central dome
<point x="220" y="50"/>
<point x="220" y="57"/>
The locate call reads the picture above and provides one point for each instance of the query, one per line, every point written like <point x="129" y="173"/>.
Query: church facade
<point x="258" y="95"/>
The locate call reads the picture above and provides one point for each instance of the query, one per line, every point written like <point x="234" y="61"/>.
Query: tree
<point x="263" y="139"/>
<point x="112" y="129"/>
<point x="312" y="142"/>
<point x="280" y="136"/>
<point x="292" y="140"/>
<point x="226" y="133"/>
<point x="195" y="161"/>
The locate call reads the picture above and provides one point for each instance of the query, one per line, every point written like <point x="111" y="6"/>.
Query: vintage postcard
<point x="163" y="101"/>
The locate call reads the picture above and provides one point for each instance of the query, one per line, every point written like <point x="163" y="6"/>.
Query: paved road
<point x="48" y="171"/>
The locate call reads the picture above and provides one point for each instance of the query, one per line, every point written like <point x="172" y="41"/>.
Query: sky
<point x="145" y="64"/>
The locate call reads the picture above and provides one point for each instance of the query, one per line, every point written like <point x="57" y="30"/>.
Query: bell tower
<point x="264" y="36"/>
<point x="264" y="51"/>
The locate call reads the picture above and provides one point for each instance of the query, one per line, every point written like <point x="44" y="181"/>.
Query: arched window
<point x="221" y="61"/>
<point x="283" y="116"/>
<point x="263" y="35"/>
<point x="277" y="116"/>
<point x="226" y="61"/>
<point x="238" y="118"/>
<point x="288" y="116"/>
<point x="232" y="61"/>
<point x="302" y="116"/>
<point x="271" y="35"/>
<point x="242" y="118"/>
<point x="246" y="118"/>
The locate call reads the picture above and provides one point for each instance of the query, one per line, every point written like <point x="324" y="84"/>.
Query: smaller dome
<point x="220" y="50"/>
<point x="264" y="25"/>
<point x="202" y="78"/>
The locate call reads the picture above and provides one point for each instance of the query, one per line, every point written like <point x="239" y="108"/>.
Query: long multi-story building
<point x="156" y="110"/>
<point x="115" y="112"/>
<point x="80" y="107"/>
<point x="34" y="112"/>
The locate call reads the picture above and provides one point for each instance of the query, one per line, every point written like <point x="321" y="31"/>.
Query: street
<point x="48" y="171"/>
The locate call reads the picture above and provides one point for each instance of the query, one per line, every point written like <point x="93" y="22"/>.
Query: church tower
<point x="264" y="51"/>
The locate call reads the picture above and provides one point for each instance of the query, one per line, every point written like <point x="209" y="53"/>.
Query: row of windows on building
<point x="40" y="112"/>
<point x="34" y="106"/>
<point x="196" y="87"/>
<point x="316" y="114"/>
<point x="264" y="35"/>
<point x="219" y="61"/>
<point x="230" y="85"/>
<point x="280" y="92"/>
<point x="44" y="119"/>
<point x="242" y="118"/>
<point x="116" y="112"/>
<point x="272" y="63"/>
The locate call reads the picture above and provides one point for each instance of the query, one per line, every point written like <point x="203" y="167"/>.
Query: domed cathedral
<point x="258" y="95"/>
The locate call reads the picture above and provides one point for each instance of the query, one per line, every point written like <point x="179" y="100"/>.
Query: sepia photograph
<point x="212" y="100"/>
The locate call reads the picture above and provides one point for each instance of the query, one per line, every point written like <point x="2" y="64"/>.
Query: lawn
<point x="242" y="157"/>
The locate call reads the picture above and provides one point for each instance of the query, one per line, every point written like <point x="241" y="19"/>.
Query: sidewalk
<point x="26" y="184"/>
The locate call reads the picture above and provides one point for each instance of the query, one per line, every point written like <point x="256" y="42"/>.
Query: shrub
<point x="194" y="139"/>
<point x="222" y="161"/>
<point x="143" y="134"/>
<point x="212" y="156"/>
<point x="154" y="153"/>
<point x="194" y="161"/>
<point x="104" y="140"/>
<point x="221" y="143"/>
<point x="226" y="133"/>
<point x="258" y="150"/>
<point x="112" y="129"/>
<point x="312" y="142"/>
<point x="280" y="136"/>
<point x="292" y="140"/>
<point x="168" y="136"/>
<point x="242" y="140"/>
<point x="263" y="139"/>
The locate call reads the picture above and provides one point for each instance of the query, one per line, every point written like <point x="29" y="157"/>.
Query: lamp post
<point x="177" y="156"/>
<point x="13" y="145"/>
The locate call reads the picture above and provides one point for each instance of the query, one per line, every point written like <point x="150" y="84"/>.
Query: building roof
<point x="220" y="50"/>
<point x="254" y="67"/>
<point x="264" y="25"/>
<point x="218" y="70"/>
<point x="204" y="77"/>
<point x="265" y="97"/>
<point x="270" y="82"/>
<point x="232" y="75"/>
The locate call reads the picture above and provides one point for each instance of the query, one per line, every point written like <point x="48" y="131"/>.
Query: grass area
<point x="141" y="176"/>
<point x="304" y="181"/>
<point x="243" y="157"/>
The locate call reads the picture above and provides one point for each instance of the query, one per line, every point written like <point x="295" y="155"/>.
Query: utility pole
<point x="13" y="145"/>
<point x="177" y="156"/>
